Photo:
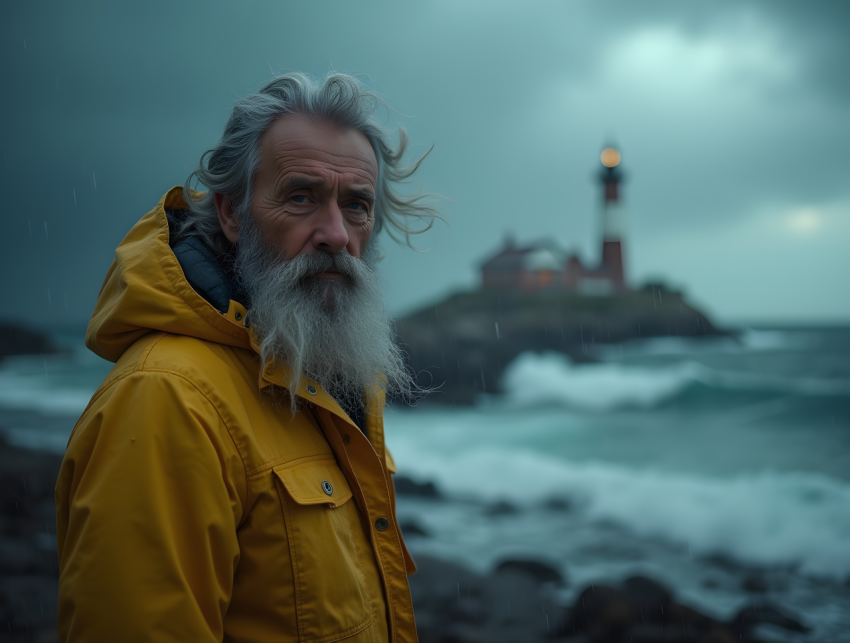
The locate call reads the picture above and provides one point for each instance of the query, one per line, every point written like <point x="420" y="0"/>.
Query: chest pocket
<point x="327" y="547"/>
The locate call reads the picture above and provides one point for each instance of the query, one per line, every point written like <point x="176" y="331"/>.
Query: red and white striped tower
<point x="612" y="218"/>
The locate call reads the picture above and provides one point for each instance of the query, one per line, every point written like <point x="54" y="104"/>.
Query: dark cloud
<point x="724" y="111"/>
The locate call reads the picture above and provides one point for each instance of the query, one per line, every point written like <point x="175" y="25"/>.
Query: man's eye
<point x="359" y="207"/>
<point x="299" y="198"/>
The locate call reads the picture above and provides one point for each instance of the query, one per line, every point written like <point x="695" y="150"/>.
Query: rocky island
<point x="537" y="297"/>
<point x="461" y="345"/>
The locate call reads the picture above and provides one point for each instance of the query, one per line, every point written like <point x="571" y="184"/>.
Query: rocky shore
<point x="518" y="601"/>
<point x="29" y="573"/>
<point x="524" y="600"/>
<point x="459" y="346"/>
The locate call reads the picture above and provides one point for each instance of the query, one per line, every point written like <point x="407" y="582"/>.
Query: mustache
<point x="303" y="267"/>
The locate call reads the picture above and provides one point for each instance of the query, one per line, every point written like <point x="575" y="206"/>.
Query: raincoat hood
<point x="146" y="290"/>
<point x="191" y="504"/>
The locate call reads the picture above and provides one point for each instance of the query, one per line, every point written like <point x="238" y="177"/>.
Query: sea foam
<point x="550" y="378"/>
<point x="27" y="394"/>
<point x="763" y="519"/>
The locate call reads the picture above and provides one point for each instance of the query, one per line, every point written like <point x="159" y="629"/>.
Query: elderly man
<point x="229" y="481"/>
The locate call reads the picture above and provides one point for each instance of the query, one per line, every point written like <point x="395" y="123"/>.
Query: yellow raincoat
<point x="192" y="507"/>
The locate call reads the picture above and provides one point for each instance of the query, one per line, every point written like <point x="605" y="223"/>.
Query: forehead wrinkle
<point x="289" y="161"/>
<point x="291" y="182"/>
<point x="301" y="177"/>
<point x="324" y="169"/>
<point x="308" y="138"/>
<point x="324" y="179"/>
<point x="287" y="151"/>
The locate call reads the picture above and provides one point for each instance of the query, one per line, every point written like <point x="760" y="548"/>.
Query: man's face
<point x="319" y="306"/>
<point x="315" y="190"/>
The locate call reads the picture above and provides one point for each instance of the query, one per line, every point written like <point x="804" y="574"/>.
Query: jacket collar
<point x="312" y="392"/>
<point x="206" y="274"/>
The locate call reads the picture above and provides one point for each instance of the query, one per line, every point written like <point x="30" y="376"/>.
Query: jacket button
<point x="311" y="389"/>
<point x="327" y="487"/>
<point x="381" y="524"/>
<point x="238" y="316"/>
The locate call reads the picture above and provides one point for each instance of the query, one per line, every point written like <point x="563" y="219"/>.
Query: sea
<point x="720" y="467"/>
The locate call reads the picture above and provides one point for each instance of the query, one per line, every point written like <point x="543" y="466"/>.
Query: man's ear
<point x="225" y="217"/>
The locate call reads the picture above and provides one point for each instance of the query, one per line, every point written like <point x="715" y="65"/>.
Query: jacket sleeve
<point x="148" y="500"/>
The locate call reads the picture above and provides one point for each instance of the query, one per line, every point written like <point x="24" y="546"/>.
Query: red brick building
<point x="544" y="266"/>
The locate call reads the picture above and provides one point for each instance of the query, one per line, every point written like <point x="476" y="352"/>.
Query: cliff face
<point x="462" y="343"/>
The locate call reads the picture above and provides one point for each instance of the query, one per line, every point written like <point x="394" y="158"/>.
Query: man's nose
<point x="330" y="234"/>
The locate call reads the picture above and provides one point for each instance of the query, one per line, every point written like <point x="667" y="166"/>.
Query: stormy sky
<point x="732" y="118"/>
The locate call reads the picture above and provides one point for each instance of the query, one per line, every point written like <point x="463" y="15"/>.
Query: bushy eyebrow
<point x="366" y="195"/>
<point x="299" y="183"/>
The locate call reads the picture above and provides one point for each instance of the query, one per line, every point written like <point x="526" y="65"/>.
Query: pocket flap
<point x="315" y="483"/>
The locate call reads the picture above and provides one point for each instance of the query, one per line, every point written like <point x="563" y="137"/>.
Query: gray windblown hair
<point x="339" y="99"/>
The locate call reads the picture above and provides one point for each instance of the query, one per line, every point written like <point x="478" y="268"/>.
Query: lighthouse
<point x="543" y="266"/>
<point x="612" y="219"/>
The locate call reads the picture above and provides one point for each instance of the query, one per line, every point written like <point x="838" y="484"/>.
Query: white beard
<point x="337" y="333"/>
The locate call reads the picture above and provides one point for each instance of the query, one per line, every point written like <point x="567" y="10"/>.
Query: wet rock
<point x="642" y="610"/>
<point x="646" y="593"/>
<point x="760" y="611"/>
<point x="724" y="562"/>
<point x="23" y="340"/>
<point x="754" y="583"/>
<point x="602" y="612"/>
<point x="538" y="571"/>
<point x="29" y="575"/>
<point x="404" y="486"/>
<point x="453" y="604"/>
<point x="558" y="504"/>
<point x="17" y="556"/>
<point x="501" y="508"/>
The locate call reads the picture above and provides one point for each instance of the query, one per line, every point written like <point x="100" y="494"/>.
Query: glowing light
<point x="610" y="157"/>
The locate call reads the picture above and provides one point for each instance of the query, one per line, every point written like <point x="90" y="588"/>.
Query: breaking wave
<point x="52" y="441"/>
<point x="550" y="378"/>
<point x="766" y="519"/>
<point x="31" y="394"/>
<point x="747" y="340"/>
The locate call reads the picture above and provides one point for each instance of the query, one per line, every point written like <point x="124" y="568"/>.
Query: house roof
<point x="540" y="255"/>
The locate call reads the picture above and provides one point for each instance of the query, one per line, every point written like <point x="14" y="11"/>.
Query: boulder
<point x="404" y="486"/>
<point x="536" y="570"/>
